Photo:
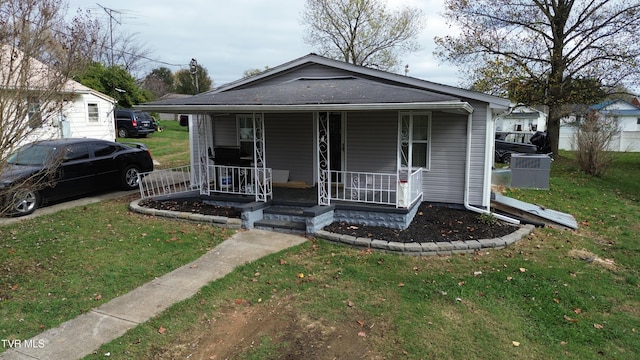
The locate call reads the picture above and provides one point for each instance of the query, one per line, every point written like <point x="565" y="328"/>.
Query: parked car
<point x="133" y="123"/>
<point x="507" y="143"/>
<point x="50" y="170"/>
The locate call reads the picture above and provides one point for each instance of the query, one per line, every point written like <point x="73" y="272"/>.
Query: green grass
<point x="536" y="292"/>
<point x="169" y="147"/>
<point x="58" y="266"/>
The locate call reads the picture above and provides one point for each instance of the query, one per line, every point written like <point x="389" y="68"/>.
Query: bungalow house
<point x="368" y="144"/>
<point x="625" y="115"/>
<point x="82" y="111"/>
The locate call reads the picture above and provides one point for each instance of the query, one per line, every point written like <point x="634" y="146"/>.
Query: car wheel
<point x="123" y="132"/>
<point x="130" y="177"/>
<point x="506" y="158"/>
<point x="24" y="202"/>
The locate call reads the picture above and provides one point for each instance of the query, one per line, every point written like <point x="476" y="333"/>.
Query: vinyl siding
<point x="478" y="149"/>
<point x="225" y="131"/>
<point x="372" y="142"/>
<point x="289" y="140"/>
<point x="445" y="181"/>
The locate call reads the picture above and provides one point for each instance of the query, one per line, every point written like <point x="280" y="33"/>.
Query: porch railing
<point x="166" y="182"/>
<point x="239" y="180"/>
<point x="376" y="188"/>
<point x="222" y="179"/>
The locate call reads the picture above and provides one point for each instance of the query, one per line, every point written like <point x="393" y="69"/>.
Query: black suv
<point x="133" y="123"/>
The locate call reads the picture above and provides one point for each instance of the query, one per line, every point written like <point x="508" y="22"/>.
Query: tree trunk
<point x="553" y="127"/>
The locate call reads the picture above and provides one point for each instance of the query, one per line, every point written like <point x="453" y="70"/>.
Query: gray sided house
<point x="363" y="142"/>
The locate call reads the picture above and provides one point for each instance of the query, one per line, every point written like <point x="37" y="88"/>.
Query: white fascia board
<point x="461" y="107"/>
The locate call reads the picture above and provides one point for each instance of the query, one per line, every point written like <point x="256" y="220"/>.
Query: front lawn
<point x="557" y="294"/>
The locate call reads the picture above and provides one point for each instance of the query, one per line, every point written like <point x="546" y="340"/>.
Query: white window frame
<point x="410" y="140"/>
<point x="97" y="113"/>
<point x="247" y="134"/>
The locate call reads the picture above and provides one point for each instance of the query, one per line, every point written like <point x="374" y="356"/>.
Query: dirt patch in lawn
<point x="275" y="330"/>
<point x="431" y="224"/>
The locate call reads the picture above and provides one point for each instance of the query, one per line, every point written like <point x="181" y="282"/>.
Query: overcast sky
<point x="229" y="37"/>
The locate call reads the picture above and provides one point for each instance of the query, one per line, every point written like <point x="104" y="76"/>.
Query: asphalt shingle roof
<point x="341" y="90"/>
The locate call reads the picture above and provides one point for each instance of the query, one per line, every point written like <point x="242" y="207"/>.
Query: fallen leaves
<point x="569" y="319"/>
<point x="162" y="330"/>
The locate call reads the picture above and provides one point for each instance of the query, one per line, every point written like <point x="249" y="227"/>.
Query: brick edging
<point x="429" y="248"/>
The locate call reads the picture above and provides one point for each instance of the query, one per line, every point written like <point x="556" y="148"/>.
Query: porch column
<point x="324" y="176"/>
<point x="202" y="144"/>
<point x="262" y="179"/>
<point x="403" y="172"/>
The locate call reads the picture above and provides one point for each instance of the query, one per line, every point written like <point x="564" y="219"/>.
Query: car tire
<point x="506" y="159"/>
<point x="24" y="202"/>
<point x="123" y="132"/>
<point x="129" y="177"/>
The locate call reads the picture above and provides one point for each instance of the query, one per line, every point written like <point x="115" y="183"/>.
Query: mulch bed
<point x="193" y="206"/>
<point x="431" y="223"/>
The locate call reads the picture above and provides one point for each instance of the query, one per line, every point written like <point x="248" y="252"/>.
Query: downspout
<point x="467" y="180"/>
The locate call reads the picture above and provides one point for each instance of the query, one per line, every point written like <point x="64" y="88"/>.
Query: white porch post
<point x="324" y="165"/>
<point x="404" y="153"/>
<point x="262" y="179"/>
<point x="202" y="143"/>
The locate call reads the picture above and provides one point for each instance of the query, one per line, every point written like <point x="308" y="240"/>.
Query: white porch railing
<point x="165" y="182"/>
<point x="239" y="180"/>
<point x="222" y="179"/>
<point x="376" y="188"/>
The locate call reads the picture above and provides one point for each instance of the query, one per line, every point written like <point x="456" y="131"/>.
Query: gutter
<point x="467" y="176"/>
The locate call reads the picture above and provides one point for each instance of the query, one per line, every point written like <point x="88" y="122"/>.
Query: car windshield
<point x="34" y="154"/>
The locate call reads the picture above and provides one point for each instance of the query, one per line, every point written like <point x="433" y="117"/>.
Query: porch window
<point x="93" y="114"/>
<point x="415" y="140"/>
<point x="245" y="132"/>
<point x="245" y="127"/>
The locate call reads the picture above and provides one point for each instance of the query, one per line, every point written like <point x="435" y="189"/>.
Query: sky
<point x="228" y="37"/>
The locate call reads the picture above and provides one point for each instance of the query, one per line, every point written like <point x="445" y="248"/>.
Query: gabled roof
<point x="627" y="109"/>
<point x="355" y="87"/>
<point x="369" y="73"/>
<point x="38" y="75"/>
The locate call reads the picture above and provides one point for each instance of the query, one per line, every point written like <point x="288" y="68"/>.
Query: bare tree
<point x="552" y="46"/>
<point x="39" y="52"/>
<point x="592" y="139"/>
<point x="362" y="32"/>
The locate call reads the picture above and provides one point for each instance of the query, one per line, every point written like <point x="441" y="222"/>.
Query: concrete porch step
<point x="293" y="227"/>
<point x="284" y="214"/>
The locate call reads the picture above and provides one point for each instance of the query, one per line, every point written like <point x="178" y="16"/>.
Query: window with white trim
<point x="34" y="116"/>
<point x="415" y="140"/>
<point x="93" y="114"/>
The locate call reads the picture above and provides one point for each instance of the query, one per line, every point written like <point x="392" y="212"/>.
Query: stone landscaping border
<point x="411" y="249"/>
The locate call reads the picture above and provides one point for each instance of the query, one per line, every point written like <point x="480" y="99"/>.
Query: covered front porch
<point x="251" y="154"/>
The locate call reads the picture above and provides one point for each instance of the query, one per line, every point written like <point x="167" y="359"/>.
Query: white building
<point x="626" y="116"/>
<point x="82" y="113"/>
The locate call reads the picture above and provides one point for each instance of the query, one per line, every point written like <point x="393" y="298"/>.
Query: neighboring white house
<point x="625" y="114"/>
<point x="521" y="118"/>
<point x="84" y="112"/>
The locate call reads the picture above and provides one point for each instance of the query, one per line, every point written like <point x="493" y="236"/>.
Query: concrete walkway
<point x="81" y="336"/>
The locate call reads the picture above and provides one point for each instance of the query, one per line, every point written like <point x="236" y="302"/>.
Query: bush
<point x="592" y="139"/>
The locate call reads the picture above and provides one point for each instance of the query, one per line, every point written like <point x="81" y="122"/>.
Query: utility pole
<point x="111" y="19"/>
<point x="193" y="65"/>
<point x="113" y="80"/>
